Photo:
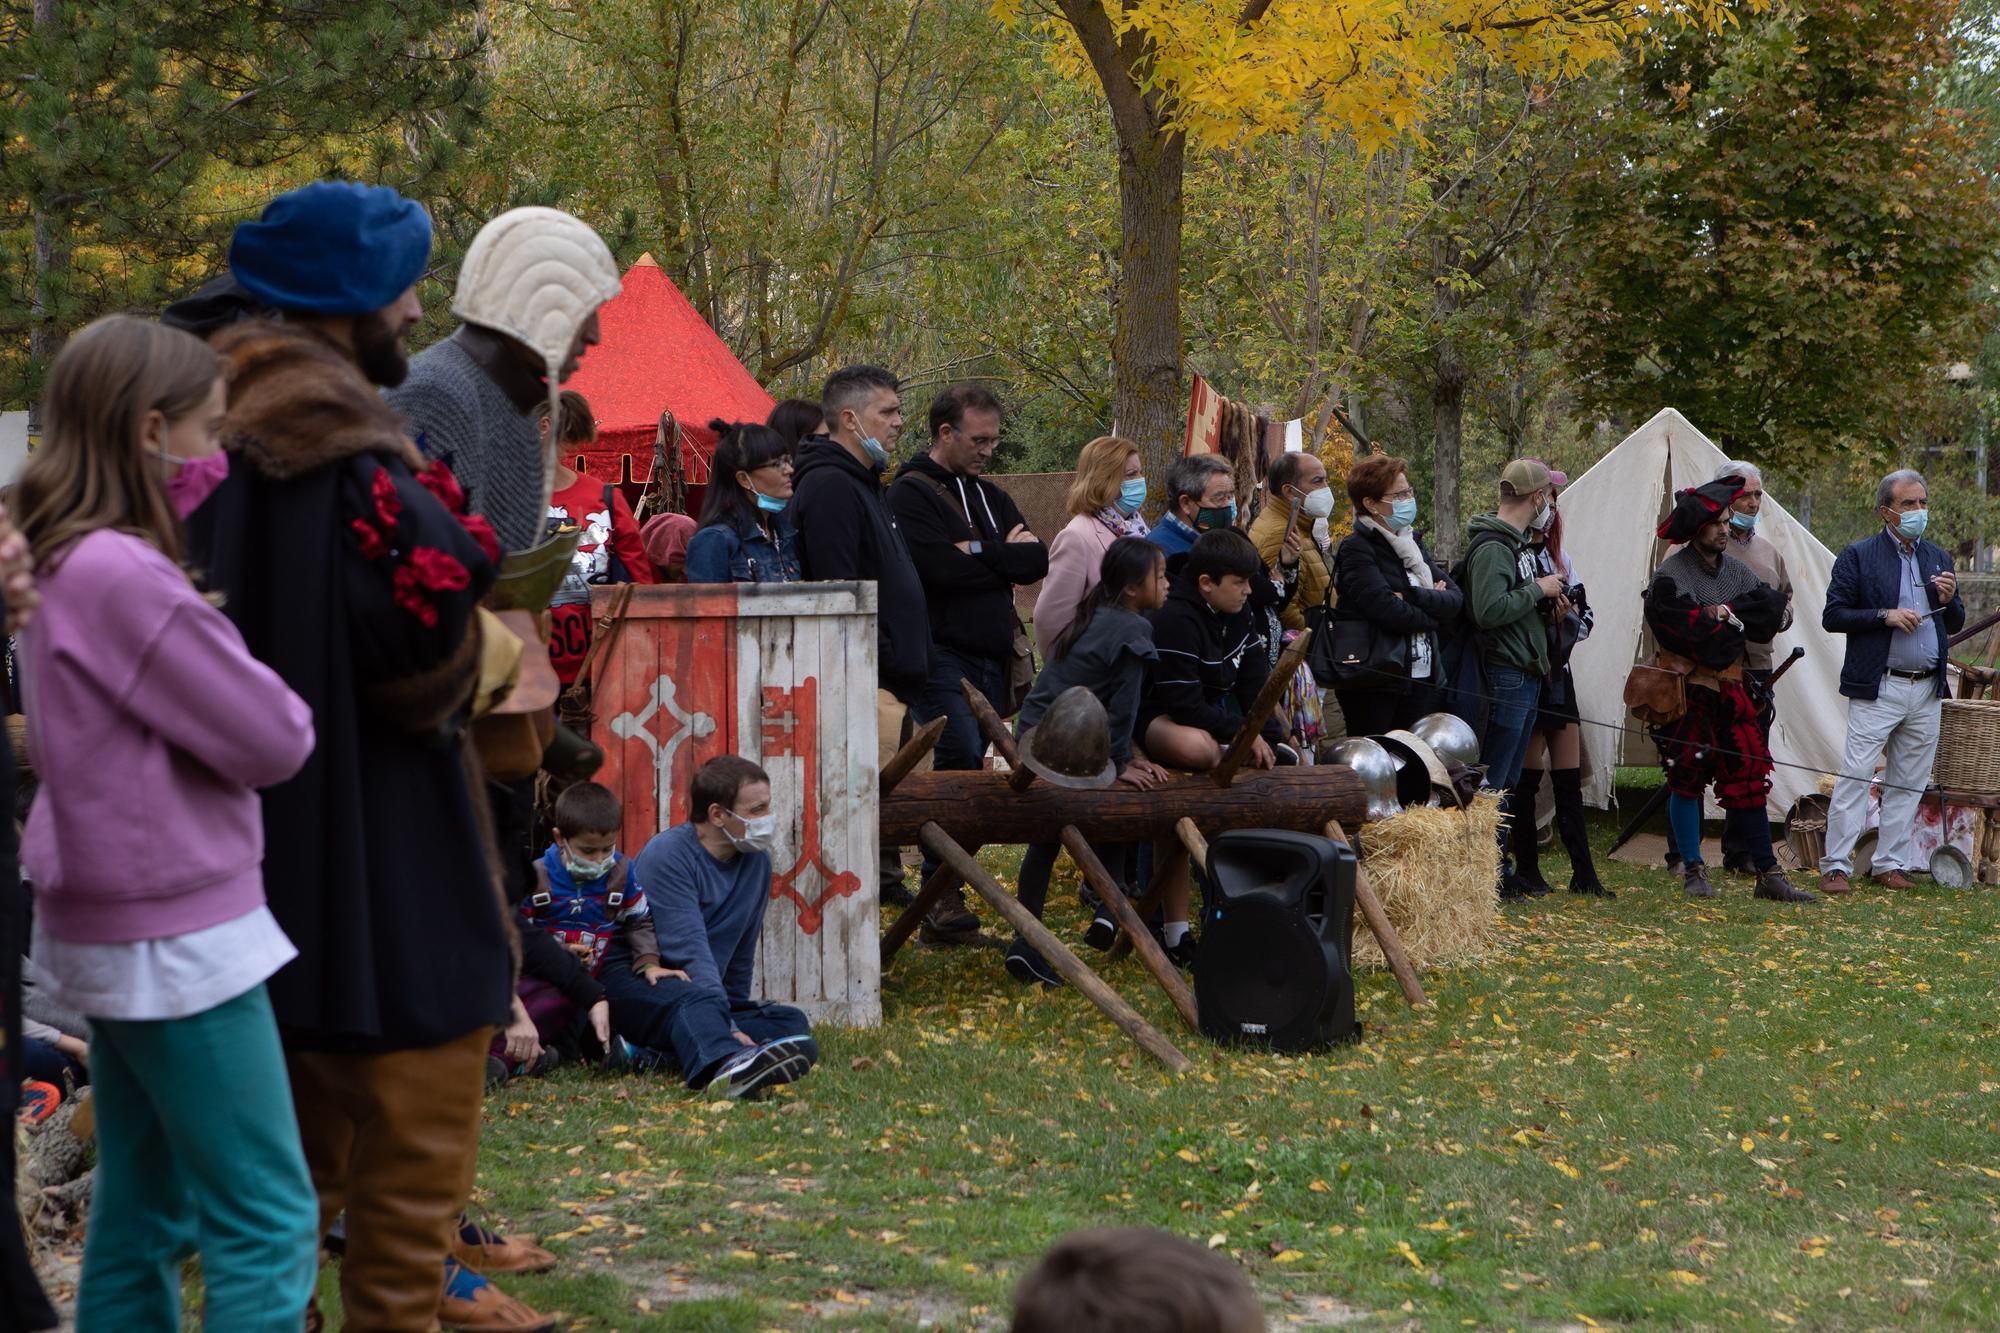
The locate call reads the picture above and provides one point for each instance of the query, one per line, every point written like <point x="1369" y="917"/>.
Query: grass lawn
<point x="1639" y="1113"/>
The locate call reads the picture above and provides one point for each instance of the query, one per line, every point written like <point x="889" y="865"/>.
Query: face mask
<point x="1319" y="504"/>
<point x="1544" y="516"/>
<point x="189" y="481"/>
<point x="771" y="504"/>
<point x="1912" y="524"/>
<point x="1402" y="513"/>
<point x="1742" y="522"/>
<point x="585" y="872"/>
<point x="876" y="453"/>
<point x="758" y="833"/>
<point x="1131" y="494"/>
<point x="1207" y="520"/>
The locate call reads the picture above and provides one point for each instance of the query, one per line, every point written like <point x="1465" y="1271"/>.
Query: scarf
<point x="1132" y="526"/>
<point x="1404" y="543"/>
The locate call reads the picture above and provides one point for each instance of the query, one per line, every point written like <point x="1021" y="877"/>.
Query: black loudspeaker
<point x="1277" y="939"/>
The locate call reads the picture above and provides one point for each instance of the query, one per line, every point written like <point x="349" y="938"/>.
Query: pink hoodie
<point x="151" y="727"/>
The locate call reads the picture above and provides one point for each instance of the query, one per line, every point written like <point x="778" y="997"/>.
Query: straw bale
<point x="1434" y="871"/>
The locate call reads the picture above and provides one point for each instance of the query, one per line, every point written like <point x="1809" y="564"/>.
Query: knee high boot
<point x="1568" y="786"/>
<point x="1524" y="835"/>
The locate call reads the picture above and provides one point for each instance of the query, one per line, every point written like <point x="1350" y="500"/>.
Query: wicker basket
<point x="1968" y="752"/>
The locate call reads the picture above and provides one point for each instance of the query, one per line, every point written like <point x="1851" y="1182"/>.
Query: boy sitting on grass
<point x="707" y="883"/>
<point x="1211" y="663"/>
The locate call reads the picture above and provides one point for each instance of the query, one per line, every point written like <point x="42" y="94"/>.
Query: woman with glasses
<point x="745" y="536"/>
<point x="1383" y="577"/>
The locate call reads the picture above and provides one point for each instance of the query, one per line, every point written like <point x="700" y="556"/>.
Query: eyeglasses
<point x="780" y="461"/>
<point x="1407" y="493"/>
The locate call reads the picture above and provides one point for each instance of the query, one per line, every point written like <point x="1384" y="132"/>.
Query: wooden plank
<point x="1148" y="1037"/>
<point x="1143" y="943"/>
<point x="1385" y="933"/>
<point x="850" y="779"/>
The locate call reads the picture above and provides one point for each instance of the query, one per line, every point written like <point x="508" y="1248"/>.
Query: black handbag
<point x="1352" y="653"/>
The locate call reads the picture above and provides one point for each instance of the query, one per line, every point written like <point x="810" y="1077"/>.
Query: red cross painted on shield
<point x="791" y="728"/>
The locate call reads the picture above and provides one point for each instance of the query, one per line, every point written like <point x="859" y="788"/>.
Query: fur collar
<point x="297" y="402"/>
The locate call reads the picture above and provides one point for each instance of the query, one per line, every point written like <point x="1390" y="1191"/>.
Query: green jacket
<point x="1501" y="597"/>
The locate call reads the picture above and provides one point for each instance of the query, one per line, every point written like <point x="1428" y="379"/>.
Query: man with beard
<point x="528" y="292"/>
<point x="1705" y="607"/>
<point x="350" y="568"/>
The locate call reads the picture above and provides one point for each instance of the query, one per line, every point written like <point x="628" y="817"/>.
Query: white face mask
<point x="758" y="833"/>
<point x="1319" y="504"/>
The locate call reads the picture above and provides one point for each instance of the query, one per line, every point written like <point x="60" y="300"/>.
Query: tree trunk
<point x="46" y="335"/>
<point x="1149" y="402"/>
<point x="1448" y="377"/>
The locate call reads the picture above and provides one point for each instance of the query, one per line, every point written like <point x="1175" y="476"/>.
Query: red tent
<point x="659" y="355"/>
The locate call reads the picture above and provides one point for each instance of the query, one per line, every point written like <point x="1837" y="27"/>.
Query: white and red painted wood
<point x="783" y="674"/>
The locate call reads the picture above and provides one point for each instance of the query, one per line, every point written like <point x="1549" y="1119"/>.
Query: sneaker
<point x="1102" y="934"/>
<point x="755" y="1069"/>
<point x="638" y="1059"/>
<point x="486" y="1251"/>
<point x="1087" y="898"/>
<point x="1024" y="963"/>
<point x="39" y="1101"/>
<point x="471" y="1304"/>
<point x="1182" y="955"/>
<point x="1694" y="882"/>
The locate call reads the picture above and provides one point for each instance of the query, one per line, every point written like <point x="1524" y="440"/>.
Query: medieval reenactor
<point x="1705" y="607"/>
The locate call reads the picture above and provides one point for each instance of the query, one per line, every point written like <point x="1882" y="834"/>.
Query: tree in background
<point x="1175" y="72"/>
<point x="1783" y="232"/>
<point x="137" y="134"/>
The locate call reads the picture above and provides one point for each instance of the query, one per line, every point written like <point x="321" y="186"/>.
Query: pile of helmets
<point x="1414" y="767"/>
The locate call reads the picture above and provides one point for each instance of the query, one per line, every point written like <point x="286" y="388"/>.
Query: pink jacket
<point x="151" y="727"/>
<point x="1076" y="558"/>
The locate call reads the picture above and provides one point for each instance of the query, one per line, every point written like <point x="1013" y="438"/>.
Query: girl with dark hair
<point x="1106" y="649"/>
<point x="797" y="419"/>
<point x="745" y="535"/>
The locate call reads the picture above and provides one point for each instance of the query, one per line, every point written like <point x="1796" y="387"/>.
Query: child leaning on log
<point x="153" y="727"/>
<point x="1106" y="650"/>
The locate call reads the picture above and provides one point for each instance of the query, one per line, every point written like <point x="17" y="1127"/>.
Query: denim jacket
<point x="746" y="553"/>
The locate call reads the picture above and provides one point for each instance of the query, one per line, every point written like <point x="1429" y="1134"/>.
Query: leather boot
<point x="1524" y="836"/>
<point x="1694" y="882"/>
<point x="1568" y="786"/>
<point x="1775" y="886"/>
<point x="399" y="1131"/>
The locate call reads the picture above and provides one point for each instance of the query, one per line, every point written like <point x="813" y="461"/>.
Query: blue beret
<point x="332" y="248"/>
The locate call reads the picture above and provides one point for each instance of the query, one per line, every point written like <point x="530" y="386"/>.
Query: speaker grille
<point x="1260" y="966"/>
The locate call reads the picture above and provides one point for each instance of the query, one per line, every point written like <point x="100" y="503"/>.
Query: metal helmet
<point x="1413" y="767"/>
<point x="1071" y="745"/>
<point x="1448" y="734"/>
<point x="1377" y="771"/>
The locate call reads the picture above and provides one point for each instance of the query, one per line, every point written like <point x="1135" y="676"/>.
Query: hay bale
<point x="1434" y="871"/>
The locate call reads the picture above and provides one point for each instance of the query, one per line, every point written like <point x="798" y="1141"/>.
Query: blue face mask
<point x="771" y="504"/>
<point x="1913" y="523"/>
<point x="1402" y="513"/>
<point x="876" y="453"/>
<point x="1131" y="494"/>
<point x="1207" y="520"/>
<point x="1742" y="522"/>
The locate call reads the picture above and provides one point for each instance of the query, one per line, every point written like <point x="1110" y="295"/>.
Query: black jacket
<point x="970" y="596"/>
<point x="1110" y="659"/>
<point x="1209" y="666"/>
<point x="1368" y="575"/>
<point x="847" y="531"/>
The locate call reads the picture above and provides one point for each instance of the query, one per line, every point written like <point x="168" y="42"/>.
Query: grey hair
<point x="1743" y="470"/>
<point x="1189" y="476"/>
<point x="1886" y="491"/>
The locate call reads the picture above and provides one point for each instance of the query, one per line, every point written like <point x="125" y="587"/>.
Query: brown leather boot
<point x="1694" y="882"/>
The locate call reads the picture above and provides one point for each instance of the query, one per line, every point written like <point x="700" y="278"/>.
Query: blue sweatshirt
<point x="708" y="913"/>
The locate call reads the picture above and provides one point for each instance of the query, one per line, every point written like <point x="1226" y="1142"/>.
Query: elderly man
<point x="1768" y="564"/>
<point x="1895" y="597"/>
<point x="1201" y="496"/>
<point x="1705" y="607"/>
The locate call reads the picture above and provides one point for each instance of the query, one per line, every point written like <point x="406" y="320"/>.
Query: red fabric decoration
<point x="372" y="545"/>
<point x="482" y="532"/>
<point x="388" y="508"/>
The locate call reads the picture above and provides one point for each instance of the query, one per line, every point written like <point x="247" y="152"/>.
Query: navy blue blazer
<point x="1866" y="581"/>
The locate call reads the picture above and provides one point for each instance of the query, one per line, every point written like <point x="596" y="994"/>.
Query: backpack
<point x="1463" y="649"/>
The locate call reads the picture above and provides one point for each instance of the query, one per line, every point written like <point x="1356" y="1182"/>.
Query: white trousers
<point x="1901" y="722"/>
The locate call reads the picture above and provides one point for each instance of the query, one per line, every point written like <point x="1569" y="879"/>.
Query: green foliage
<point x="136" y="134"/>
<point x="1782" y="233"/>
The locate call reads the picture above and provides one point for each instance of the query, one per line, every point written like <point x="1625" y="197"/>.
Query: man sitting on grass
<point x="707" y="882"/>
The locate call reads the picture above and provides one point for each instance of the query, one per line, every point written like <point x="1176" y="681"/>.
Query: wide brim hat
<point x="1698" y="506"/>
<point x="1433" y="765"/>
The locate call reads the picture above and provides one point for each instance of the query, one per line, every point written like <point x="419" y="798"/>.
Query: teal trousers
<point x="197" y="1153"/>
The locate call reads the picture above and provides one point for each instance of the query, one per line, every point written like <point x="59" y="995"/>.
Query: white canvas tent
<point x="1609" y="516"/>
